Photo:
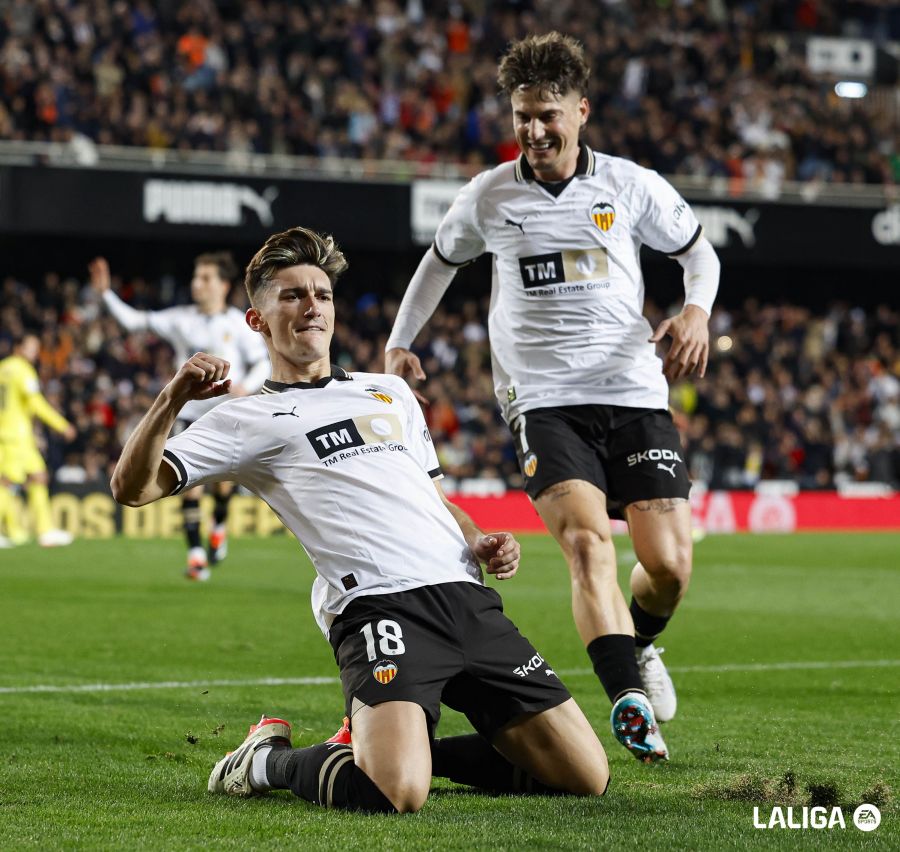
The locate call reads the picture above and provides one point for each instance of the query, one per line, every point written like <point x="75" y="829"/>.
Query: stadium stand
<point x="699" y="91"/>
<point x="702" y="89"/>
<point x="792" y="393"/>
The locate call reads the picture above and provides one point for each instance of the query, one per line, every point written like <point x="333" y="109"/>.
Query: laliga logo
<point x="865" y="818"/>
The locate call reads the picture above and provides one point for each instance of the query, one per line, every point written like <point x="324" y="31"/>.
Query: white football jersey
<point x="566" y="318"/>
<point x="347" y="465"/>
<point x="187" y="330"/>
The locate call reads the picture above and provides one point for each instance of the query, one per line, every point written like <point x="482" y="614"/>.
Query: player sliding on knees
<point x="346" y="461"/>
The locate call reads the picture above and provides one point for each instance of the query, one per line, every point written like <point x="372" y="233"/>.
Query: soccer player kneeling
<point x="346" y="461"/>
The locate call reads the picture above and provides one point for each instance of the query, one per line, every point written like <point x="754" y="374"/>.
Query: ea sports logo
<point x="385" y="671"/>
<point x="867" y="817"/>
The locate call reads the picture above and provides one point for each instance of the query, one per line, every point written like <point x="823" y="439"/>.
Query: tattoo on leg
<point x="556" y="492"/>
<point x="661" y="506"/>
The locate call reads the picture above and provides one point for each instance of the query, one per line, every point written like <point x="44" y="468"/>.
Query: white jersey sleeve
<point x="459" y="237"/>
<point x="207" y="451"/>
<point x="666" y="222"/>
<point x="162" y="323"/>
<point x="129" y="318"/>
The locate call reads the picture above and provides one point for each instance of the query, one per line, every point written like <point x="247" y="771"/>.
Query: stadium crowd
<point x="791" y="393"/>
<point x="699" y="88"/>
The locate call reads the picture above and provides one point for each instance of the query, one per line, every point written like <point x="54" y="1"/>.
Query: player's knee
<point x="587" y="553"/>
<point x="671" y="567"/>
<point x="591" y="781"/>
<point x="406" y="795"/>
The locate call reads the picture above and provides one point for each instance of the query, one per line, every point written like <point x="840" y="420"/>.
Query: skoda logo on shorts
<point x="385" y="671"/>
<point x="529" y="466"/>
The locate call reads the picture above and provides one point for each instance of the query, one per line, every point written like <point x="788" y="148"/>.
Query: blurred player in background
<point x="575" y="368"/>
<point x="210" y="325"/>
<point x="21" y="464"/>
<point x="399" y="590"/>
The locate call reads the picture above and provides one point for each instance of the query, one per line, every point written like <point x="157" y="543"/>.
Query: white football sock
<point x="258" y="778"/>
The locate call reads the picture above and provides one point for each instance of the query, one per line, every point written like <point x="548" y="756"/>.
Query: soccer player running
<point x="213" y="326"/>
<point x="574" y="362"/>
<point x="21" y="463"/>
<point x="346" y="461"/>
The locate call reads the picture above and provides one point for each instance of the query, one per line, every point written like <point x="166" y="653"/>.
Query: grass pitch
<point x="121" y="685"/>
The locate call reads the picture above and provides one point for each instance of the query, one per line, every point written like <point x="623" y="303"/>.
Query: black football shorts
<point x="630" y="454"/>
<point x="449" y="643"/>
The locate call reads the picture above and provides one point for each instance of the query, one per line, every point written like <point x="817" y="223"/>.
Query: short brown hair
<point x="553" y="62"/>
<point x="224" y="263"/>
<point x="293" y="247"/>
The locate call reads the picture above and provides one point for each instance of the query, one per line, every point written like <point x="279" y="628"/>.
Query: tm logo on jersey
<point x="541" y="271"/>
<point x="368" y="433"/>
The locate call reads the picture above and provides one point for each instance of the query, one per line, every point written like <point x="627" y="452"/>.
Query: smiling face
<point x="294" y="312"/>
<point x="547" y="128"/>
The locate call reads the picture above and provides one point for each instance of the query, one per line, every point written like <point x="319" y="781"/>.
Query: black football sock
<point x="325" y="774"/>
<point x="190" y="511"/>
<point x="472" y="760"/>
<point x="615" y="664"/>
<point x="220" y="508"/>
<point x="646" y="626"/>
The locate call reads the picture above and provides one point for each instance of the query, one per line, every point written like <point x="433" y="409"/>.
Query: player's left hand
<point x="500" y="553"/>
<point x="689" y="351"/>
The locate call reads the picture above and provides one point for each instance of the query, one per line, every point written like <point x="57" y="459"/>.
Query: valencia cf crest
<point x="385" y="671"/>
<point x="529" y="466"/>
<point x="603" y="215"/>
<point x="380" y="395"/>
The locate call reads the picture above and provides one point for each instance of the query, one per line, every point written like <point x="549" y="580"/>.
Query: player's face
<point x="296" y="314"/>
<point x="208" y="290"/>
<point x="547" y="128"/>
<point x="30" y="348"/>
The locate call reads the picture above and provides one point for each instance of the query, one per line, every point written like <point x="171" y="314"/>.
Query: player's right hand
<point x="100" y="278"/>
<point x="402" y="362"/>
<point x="202" y="376"/>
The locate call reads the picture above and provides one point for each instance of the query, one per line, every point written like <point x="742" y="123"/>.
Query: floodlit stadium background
<point x="151" y="132"/>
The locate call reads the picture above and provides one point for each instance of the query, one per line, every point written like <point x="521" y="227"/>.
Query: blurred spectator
<point x="708" y="89"/>
<point x="810" y="397"/>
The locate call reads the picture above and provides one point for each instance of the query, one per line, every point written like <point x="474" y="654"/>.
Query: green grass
<point x="127" y="769"/>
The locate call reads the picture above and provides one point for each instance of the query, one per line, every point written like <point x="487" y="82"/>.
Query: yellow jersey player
<point x="21" y="463"/>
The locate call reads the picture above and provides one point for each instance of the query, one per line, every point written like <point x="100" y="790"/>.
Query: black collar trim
<point x="584" y="166"/>
<point x="337" y="373"/>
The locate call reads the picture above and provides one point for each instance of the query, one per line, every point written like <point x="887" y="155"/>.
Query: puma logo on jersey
<point x="667" y="467"/>
<point x="291" y="413"/>
<point x="519" y="225"/>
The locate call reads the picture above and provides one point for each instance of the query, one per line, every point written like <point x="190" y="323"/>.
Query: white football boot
<point x="657" y="683"/>
<point x="231" y="775"/>
<point x="634" y="726"/>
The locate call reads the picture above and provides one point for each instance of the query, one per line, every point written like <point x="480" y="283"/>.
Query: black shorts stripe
<point x="180" y="470"/>
<point x="690" y="242"/>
